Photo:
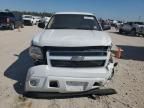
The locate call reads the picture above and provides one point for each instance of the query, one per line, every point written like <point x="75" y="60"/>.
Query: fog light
<point x="34" y="82"/>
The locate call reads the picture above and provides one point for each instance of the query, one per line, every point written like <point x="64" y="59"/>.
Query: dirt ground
<point x="14" y="61"/>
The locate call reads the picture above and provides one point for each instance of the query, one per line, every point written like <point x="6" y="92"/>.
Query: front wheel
<point x="133" y="32"/>
<point x="120" y="31"/>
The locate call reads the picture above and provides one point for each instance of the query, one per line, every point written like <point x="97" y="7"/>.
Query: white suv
<point x="28" y="20"/>
<point x="73" y="54"/>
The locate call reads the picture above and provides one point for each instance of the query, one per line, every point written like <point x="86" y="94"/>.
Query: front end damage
<point x="70" y="70"/>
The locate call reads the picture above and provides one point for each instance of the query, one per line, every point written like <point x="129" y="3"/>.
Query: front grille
<point x="76" y="56"/>
<point x="65" y="63"/>
<point x="90" y="48"/>
<point x="78" y="53"/>
<point x="27" y="22"/>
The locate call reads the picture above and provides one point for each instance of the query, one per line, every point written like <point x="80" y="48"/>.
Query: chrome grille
<point x="65" y="63"/>
<point x="83" y="56"/>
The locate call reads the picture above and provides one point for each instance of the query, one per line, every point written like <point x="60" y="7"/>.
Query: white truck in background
<point x="140" y="29"/>
<point x="45" y="20"/>
<point x="37" y="19"/>
<point x="72" y="54"/>
<point x="28" y="20"/>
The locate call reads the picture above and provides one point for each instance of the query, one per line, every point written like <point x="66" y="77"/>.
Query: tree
<point x="7" y="10"/>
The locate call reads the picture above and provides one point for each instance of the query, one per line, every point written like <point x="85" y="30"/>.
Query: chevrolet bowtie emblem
<point x="77" y="58"/>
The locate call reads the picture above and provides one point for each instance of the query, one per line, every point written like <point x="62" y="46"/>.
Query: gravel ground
<point x="14" y="62"/>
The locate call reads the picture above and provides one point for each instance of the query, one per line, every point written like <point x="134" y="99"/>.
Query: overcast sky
<point x="117" y="9"/>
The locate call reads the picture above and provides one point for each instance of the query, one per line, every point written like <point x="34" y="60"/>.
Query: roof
<point x="78" y="13"/>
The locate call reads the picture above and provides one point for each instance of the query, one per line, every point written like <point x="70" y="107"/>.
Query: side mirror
<point x="106" y="27"/>
<point x="41" y="25"/>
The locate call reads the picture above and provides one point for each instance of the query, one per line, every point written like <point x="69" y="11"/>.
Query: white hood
<point x="72" y="38"/>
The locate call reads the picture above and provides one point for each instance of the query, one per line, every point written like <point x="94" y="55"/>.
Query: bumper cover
<point x="68" y="79"/>
<point x="3" y="25"/>
<point x="98" y="92"/>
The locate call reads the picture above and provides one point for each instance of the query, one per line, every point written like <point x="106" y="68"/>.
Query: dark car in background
<point x="10" y="20"/>
<point x="132" y="28"/>
<point x="105" y="24"/>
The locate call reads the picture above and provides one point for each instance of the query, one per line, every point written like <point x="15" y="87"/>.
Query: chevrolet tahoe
<point x="71" y="54"/>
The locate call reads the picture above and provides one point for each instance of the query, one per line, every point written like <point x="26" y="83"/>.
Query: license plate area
<point x="76" y="86"/>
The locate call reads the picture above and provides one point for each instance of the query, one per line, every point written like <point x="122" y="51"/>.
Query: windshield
<point x="86" y="22"/>
<point x="6" y="14"/>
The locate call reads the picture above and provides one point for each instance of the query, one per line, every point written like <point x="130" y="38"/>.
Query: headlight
<point x="35" y="53"/>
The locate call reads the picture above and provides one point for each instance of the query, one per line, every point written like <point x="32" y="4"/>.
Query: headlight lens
<point x="35" y="53"/>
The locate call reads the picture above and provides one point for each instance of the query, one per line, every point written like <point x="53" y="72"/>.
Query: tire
<point x="133" y="32"/>
<point x="12" y="26"/>
<point x="120" y="31"/>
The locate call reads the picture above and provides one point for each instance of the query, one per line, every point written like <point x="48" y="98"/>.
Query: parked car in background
<point x="11" y="20"/>
<point x="132" y="28"/>
<point x="36" y="19"/>
<point x="116" y="23"/>
<point x="45" y="19"/>
<point x="105" y="24"/>
<point x="29" y="20"/>
<point x="140" y="29"/>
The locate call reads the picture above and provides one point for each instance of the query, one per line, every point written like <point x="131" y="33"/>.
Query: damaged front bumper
<point x="43" y="78"/>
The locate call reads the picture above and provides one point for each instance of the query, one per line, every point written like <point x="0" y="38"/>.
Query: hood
<point x="72" y="38"/>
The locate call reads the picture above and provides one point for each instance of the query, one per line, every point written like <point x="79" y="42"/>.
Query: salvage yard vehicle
<point x="45" y="19"/>
<point x="29" y="20"/>
<point x="131" y="28"/>
<point x="36" y="19"/>
<point x="140" y="29"/>
<point x="10" y="20"/>
<point x="72" y="54"/>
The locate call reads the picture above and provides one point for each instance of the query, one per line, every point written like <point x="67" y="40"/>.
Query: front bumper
<point x="4" y="25"/>
<point x="66" y="79"/>
<point x="27" y="22"/>
<point x="50" y="95"/>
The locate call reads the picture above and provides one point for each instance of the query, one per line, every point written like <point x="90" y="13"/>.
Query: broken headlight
<point x="36" y="53"/>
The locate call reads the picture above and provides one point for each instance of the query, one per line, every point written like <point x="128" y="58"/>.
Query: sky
<point x="115" y="9"/>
